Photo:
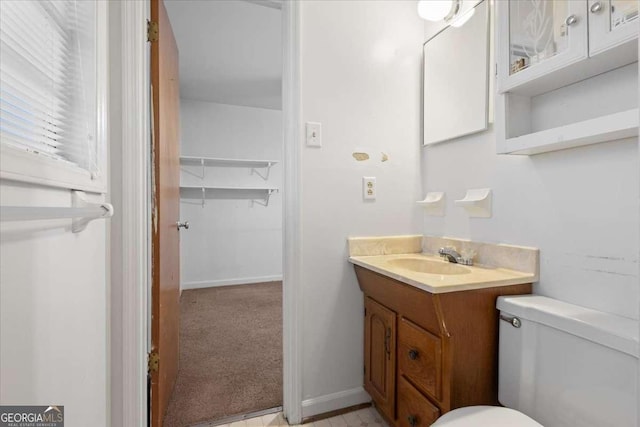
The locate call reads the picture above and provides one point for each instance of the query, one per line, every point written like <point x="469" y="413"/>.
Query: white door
<point x="612" y="23"/>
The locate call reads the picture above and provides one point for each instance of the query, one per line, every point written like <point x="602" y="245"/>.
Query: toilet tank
<point x="565" y="365"/>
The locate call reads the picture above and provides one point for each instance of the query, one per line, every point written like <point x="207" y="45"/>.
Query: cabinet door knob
<point x="413" y="420"/>
<point x="184" y="225"/>
<point x="413" y="354"/>
<point x="571" y="19"/>
<point x="596" y="7"/>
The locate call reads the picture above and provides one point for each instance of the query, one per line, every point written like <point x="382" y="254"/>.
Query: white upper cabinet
<point x="567" y="73"/>
<point x="539" y="37"/>
<point x="546" y="44"/>
<point x="611" y="23"/>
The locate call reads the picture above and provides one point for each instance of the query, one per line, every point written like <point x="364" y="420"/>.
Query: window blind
<point x="48" y="79"/>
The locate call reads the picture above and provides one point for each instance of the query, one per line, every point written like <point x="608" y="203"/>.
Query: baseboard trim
<point x="229" y="282"/>
<point x="335" y="413"/>
<point x="334" y="401"/>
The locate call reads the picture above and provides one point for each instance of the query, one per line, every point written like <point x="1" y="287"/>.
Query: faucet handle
<point x="466" y="256"/>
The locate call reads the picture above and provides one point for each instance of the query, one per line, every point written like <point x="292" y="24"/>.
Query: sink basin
<point x="428" y="266"/>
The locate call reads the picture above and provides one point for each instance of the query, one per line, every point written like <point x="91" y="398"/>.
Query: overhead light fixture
<point x="462" y="19"/>
<point x="438" y="10"/>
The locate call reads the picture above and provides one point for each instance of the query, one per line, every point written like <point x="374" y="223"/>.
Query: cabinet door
<point x="380" y="356"/>
<point x="611" y="23"/>
<point x="538" y="37"/>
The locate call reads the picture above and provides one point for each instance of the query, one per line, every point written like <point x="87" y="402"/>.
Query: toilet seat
<point x="481" y="416"/>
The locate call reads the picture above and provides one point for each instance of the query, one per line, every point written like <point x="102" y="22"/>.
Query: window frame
<point x="24" y="166"/>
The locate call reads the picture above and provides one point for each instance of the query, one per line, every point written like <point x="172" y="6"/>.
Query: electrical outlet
<point x="314" y="134"/>
<point x="369" y="187"/>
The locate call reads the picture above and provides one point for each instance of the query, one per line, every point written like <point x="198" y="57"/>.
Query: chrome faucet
<point x="451" y="255"/>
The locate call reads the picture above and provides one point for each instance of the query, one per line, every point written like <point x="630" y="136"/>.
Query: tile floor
<point x="367" y="417"/>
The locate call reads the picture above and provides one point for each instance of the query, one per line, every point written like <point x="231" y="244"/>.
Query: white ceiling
<point x="230" y="51"/>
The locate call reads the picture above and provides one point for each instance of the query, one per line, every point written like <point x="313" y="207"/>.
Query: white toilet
<point x="560" y="365"/>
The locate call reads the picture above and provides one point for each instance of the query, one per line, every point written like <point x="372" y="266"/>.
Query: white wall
<point x="53" y="310"/>
<point x="360" y="74"/>
<point x="579" y="206"/>
<point x="230" y="241"/>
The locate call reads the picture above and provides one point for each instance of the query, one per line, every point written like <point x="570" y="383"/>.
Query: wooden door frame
<point x="135" y="276"/>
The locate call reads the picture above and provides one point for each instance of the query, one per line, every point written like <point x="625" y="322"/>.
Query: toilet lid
<point x="477" y="416"/>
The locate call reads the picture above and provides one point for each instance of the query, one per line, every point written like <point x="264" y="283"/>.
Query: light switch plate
<point x="314" y="134"/>
<point x="369" y="187"/>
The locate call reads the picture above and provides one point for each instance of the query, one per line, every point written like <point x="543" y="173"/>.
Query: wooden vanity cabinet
<point x="426" y="354"/>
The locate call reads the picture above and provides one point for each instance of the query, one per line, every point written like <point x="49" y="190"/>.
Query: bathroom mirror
<point x="456" y="79"/>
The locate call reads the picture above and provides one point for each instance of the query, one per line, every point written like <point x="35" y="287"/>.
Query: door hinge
<point x="152" y="31"/>
<point x="153" y="361"/>
<point x="365" y="312"/>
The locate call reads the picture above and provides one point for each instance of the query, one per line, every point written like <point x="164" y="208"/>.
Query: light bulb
<point x="461" y="20"/>
<point x="434" y="10"/>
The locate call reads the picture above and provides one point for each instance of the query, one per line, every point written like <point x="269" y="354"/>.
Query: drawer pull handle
<point x="413" y="420"/>
<point x="413" y="354"/>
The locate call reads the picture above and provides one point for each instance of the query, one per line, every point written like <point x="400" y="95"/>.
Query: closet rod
<point x="25" y="213"/>
<point x="81" y="212"/>
<point x="80" y="215"/>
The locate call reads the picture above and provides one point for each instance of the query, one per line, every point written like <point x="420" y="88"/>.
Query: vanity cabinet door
<point x="612" y="23"/>
<point x="538" y="37"/>
<point x="380" y="356"/>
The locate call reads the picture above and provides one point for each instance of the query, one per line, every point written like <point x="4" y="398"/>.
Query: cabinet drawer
<point x="414" y="410"/>
<point x="420" y="357"/>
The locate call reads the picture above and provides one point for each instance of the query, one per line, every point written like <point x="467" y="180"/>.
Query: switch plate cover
<point x="314" y="134"/>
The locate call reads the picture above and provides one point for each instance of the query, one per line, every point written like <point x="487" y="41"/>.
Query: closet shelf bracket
<point x="264" y="202"/>
<point x="266" y="174"/>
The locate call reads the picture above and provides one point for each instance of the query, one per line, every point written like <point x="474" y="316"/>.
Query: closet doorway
<point x="231" y="148"/>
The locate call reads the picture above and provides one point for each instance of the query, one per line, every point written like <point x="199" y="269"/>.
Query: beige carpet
<point x="230" y="353"/>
